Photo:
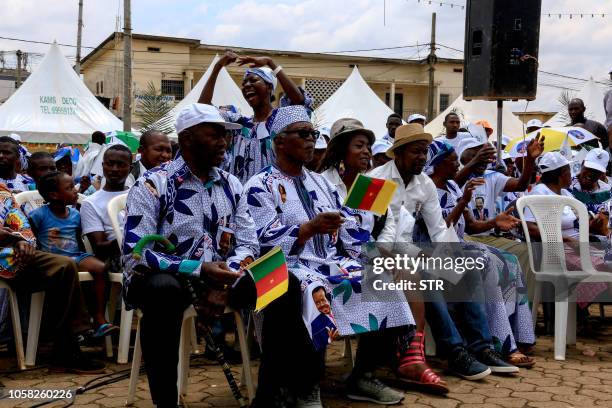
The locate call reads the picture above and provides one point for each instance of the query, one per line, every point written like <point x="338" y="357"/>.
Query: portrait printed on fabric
<point x="317" y="313"/>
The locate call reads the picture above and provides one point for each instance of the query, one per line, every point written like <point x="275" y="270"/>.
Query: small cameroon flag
<point x="370" y="194"/>
<point x="271" y="277"/>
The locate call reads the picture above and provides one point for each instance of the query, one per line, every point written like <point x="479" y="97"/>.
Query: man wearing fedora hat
<point x="417" y="195"/>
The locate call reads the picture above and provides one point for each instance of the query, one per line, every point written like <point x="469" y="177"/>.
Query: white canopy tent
<point x="593" y="95"/>
<point x="354" y="99"/>
<point x="54" y="106"/>
<point x="226" y="93"/>
<point x="471" y="111"/>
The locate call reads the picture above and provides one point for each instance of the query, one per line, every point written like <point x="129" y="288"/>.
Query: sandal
<point x="518" y="359"/>
<point x="427" y="379"/>
<point x="104" y="330"/>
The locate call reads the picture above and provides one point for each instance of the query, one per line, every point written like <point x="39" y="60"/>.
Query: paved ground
<point x="583" y="380"/>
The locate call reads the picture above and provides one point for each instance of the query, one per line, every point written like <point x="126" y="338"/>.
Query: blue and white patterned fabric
<point x="264" y="73"/>
<point x="287" y="116"/>
<point x="280" y="204"/>
<point x="20" y="183"/>
<point x="198" y="218"/>
<point x="436" y="152"/>
<point x="507" y="306"/>
<point x="251" y="148"/>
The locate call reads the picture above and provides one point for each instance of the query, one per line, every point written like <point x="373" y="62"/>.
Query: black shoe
<point x="495" y="362"/>
<point x="77" y="363"/>
<point x="466" y="366"/>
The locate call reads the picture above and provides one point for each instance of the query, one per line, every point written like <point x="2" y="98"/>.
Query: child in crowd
<point x="58" y="230"/>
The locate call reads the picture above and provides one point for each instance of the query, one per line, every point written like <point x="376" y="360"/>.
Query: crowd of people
<point x="238" y="187"/>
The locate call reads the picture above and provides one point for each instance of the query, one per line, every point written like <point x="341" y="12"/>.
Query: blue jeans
<point x="469" y="328"/>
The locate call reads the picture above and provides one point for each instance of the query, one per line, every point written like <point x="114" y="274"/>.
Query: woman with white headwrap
<point x="507" y="308"/>
<point x="251" y="148"/>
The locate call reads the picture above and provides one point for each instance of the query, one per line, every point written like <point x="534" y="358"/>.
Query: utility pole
<point x="431" y="60"/>
<point x="127" y="66"/>
<point x="19" y="54"/>
<point x="77" y="65"/>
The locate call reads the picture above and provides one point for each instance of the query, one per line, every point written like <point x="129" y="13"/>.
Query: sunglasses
<point x="305" y="133"/>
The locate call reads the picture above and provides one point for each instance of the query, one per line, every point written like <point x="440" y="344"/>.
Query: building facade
<point x="174" y="65"/>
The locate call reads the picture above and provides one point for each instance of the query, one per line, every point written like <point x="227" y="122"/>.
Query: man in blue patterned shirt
<point x="193" y="203"/>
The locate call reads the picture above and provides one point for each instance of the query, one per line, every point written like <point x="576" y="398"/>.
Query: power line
<point x="188" y="53"/>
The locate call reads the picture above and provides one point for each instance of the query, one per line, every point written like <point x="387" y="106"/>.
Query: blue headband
<point x="264" y="73"/>
<point x="436" y="152"/>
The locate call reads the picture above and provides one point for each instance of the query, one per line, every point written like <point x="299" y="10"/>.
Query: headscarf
<point x="264" y="73"/>
<point x="287" y="116"/>
<point x="436" y="152"/>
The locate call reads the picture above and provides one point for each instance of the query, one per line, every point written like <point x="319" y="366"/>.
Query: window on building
<point x="398" y="106"/>
<point x="153" y="49"/>
<point x="97" y="88"/>
<point x="173" y="87"/>
<point x="457" y="69"/>
<point x="321" y="89"/>
<point x="444" y="102"/>
<point x="101" y="87"/>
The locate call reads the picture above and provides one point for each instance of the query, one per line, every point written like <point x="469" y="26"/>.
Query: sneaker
<point x="466" y="366"/>
<point x="312" y="400"/>
<point x="495" y="362"/>
<point x="368" y="388"/>
<point x="77" y="363"/>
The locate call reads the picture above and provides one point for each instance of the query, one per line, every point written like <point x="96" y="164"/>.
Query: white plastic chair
<point x="114" y="207"/>
<point x="185" y="345"/>
<point x="547" y="211"/>
<point x="38" y="299"/>
<point x="16" y="320"/>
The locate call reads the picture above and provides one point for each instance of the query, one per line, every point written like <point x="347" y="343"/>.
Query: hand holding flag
<point x="271" y="277"/>
<point x="370" y="194"/>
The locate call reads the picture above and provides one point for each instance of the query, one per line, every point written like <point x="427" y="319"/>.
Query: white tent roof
<point x="226" y="93"/>
<point x="53" y="106"/>
<point x="354" y="99"/>
<point x="471" y="111"/>
<point x="592" y="94"/>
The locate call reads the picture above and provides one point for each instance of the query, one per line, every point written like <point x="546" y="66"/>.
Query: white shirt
<point x="367" y="217"/>
<point x="490" y="191"/>
<point x="454" y="141"/>
<point x="567" y="218"/>
<point x="94" y="213"/>
<point x="420" y="194"/>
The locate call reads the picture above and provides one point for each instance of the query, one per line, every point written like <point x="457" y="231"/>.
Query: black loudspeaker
<point x="501" y="49"/>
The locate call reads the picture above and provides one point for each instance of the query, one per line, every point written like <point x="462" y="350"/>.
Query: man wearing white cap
<point x="556" y="178"/>
<point x="192" y="203"/>
<point x="588" y="186"/>
<point x="379" y="154"/>
<point x="417" y="118"/>
<point x="533" y="125"/>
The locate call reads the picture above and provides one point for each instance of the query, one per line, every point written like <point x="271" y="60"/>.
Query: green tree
<point x="153" y="110"/>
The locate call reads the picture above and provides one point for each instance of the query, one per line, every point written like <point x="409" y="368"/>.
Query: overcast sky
<point x="580" y="47"/>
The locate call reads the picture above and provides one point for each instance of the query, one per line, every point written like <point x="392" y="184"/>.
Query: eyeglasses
<point x="304" y="133"/>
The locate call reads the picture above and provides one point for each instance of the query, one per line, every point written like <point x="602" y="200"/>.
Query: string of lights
<point x="546" y="14"/>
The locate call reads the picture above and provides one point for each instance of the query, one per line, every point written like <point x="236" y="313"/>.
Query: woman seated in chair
<point x="556" y="179"/>
<point x="348" y="154"/>
<point x="507" y="308"/>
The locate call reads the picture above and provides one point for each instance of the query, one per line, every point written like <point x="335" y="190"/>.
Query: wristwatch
<point x="277" y="69"/>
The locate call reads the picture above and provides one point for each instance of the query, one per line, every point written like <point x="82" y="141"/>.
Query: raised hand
<point x="254" y="62"/>
<point x="469" y="188"/>
<point x="536" y="147"/>
<point x="228" y="58"/>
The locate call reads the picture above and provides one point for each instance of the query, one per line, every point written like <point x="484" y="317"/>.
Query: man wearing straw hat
<point x="417" y="198"/>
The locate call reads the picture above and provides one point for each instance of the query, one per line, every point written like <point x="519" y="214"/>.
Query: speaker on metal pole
<point x="501" y="49"/>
